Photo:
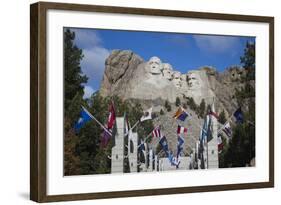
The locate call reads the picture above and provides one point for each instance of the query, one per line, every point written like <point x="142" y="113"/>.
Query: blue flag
<point x="83" y="119"/>
<point x="173" y="160"/>
<point x="141" y="146"/>
<point x="180" y="145"/>
<point x="164" y="144"/>
<point x="238" y="114"/>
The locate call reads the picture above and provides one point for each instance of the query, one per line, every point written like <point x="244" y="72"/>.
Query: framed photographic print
<point x="135" y="102"/>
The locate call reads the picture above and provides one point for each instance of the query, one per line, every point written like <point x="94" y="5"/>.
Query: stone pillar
<point x="145" y="156"/>
<point x="150" y="166"/>
<point x="160" y="165"/>
<point x="133" y="151"/>
<point x="143" y="166"/>
<point x="117" y="152"/>
<point x="213" y="159"/>
<point x="155" y="163"/>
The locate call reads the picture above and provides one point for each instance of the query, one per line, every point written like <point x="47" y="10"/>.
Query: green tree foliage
<point x="73" y="99"/>
<point x="246" y="92"/>
<point x="201" y="109"/>
<point x="191" y="103"/>
<point x="168" y="106"/>
<point x="162" y="112"/>
<point x="241" y="148"/>
<point x="248" y="60"/>
<point x="198" y="109"/>
<point x="222" y="118"/>
<point x="188" y="79"/>
<point x="178" y="101"/>
<point x="73" y="77"/>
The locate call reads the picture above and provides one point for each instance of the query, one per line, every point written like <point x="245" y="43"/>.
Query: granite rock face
<point x="128" y="76"/>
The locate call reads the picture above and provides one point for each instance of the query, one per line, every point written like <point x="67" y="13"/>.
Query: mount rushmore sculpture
<point x="130" y="77"/>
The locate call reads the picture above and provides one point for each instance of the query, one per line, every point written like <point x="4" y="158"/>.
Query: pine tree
<point x="222" y="118"/>
<point x="168" y="106"/>
<point x="73" y="99"/>
<point x="248" y="60"/>
<point x="178" y="101"/>
<point x="73" y="77"/>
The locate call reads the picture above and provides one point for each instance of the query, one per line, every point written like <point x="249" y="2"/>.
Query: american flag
<point x="156" y="132"/>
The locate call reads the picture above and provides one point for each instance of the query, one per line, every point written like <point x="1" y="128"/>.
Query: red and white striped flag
<point x="111" y="117"/>
<point x="181" y="130"/>
<point x="156" y="132"/>
<point x="214" y="114"/>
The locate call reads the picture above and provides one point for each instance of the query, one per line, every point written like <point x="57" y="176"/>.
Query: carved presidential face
<point x="154" y="65"/>
<point x="168" y="74"/>
<point x="177" y="79"/>
<point x="194" y="81"/>
<point x="167" y="71"/>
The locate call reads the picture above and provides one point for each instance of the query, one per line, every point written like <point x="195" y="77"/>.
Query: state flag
<point x="147" y="115"/>
<point x="181" y="130"/>
<point x="164" y="144"/>
<point x="85" y="117"/>
<point x="179" y="145"/>
<point x="111" y="116"/>
<point x="156" y="132"/>
<point x="214" y="114"/>
<point x="238" y="114"/>
<point x="227" y="129"/>
<point x="181" y="114"/>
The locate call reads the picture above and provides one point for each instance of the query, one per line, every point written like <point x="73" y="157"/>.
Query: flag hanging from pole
<point x="108" y="129"/>
<point x="203" y="135"/>
<point x="83" y="119"/>
<point x="127" y="126"/>
<point x="164" y="144"/>
<point x="105" y="138"/>
<point x="214" y="114"/>
<point x="181" y="114"/>
<point x="179" y="145"/>
<point x="156" y="132"/>
<point x="238" y="114"/>
<point x="147" y="115"/>
<point x="181" y="130"/>
<point x="227" y="129"/>
<point x="220" y="144"/>
<point x="142" y="146"/>
<point x="111" y="116"/>
<point x="173" y="160"/>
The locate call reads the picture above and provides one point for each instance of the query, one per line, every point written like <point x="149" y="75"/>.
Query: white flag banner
<point x="227" y="129"/>
<point x="147" y="115"/>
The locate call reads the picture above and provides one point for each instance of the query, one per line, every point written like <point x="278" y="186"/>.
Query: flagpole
<point x="148" y="135"/>
<point x="96" y="120"/>
<point x="135" y="125"/>
<point x="226" y="122"/>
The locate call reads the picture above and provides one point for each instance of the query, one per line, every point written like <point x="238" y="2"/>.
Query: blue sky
<point x="183" y="51"/>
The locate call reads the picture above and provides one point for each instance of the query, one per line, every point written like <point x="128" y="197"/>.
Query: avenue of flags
<point x="181" y="115"/>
